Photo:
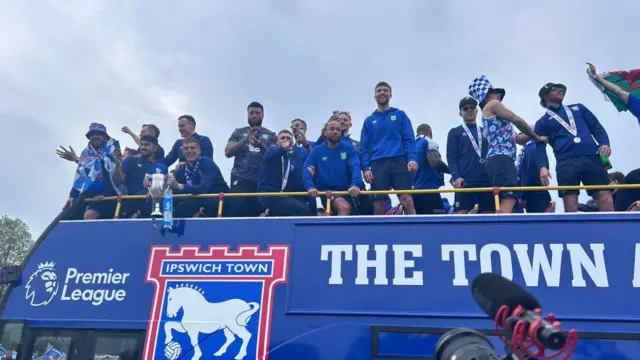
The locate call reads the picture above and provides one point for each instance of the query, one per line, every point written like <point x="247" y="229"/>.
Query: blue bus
<point x="321" y="288"/>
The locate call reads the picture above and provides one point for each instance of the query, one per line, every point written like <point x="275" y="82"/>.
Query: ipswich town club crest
<point x="214" y="304"/>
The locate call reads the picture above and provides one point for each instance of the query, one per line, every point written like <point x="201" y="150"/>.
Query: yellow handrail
<point x="328" y="194"/>
<point x="388" y="192"/>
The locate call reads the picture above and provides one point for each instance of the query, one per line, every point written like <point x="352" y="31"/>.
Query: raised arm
<point x="613" y="88"/>
<point x="497" y="108"/>
<point x="236" y="143"/>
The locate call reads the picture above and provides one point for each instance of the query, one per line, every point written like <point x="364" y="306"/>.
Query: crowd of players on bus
<point x="389" y="155"/>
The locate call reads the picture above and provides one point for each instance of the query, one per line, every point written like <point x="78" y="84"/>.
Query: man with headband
<point x="571" y="130"/>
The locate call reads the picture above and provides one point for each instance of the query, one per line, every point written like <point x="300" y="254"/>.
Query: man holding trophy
<point x="200" y="175"/>
<point x="135" y="170"/>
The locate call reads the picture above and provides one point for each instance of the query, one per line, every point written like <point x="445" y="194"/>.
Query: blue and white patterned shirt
<point x="500" y="136"/>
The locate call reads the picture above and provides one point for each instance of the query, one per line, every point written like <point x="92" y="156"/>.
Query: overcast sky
<point x="65" y="64"/>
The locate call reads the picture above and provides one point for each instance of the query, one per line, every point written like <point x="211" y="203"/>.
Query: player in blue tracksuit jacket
<point x="334" y="166"/>
<point x="281" y="170"/>
<point x="528" y="171"/>
<point x="430" y="173"/>
<point x="388" y="150"/>
<point x="466" y="154"/>
<point x="631" y="101"/>
<point x="199" y="175"/>
<point x="571" y="130"/>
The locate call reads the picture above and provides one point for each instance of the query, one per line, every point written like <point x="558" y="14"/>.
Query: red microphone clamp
<point x="525" y="332"/>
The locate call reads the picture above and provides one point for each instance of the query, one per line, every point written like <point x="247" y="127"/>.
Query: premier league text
<point x="94" y="287"/>
<point x="539" y="264"/>
<point x="213" y="268"/>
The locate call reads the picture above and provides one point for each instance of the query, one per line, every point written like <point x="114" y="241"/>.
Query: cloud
<point x="64" y="64"/>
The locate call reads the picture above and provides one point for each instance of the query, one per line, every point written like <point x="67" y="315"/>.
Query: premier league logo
<point x="212" y="304"/>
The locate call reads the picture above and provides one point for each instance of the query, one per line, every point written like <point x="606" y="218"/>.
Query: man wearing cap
<point x="571" y="130"/>
<point x="466" y="152"/>
<point x="187" y="128"/>
<point x="631" y="101"/>
<point x="497" y="128"/>
<point x="134" y="172"/>
<point x="98" y="173"/>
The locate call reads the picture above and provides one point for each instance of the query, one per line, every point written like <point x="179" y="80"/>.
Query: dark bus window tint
<point x="117" y="347"/>
<point x="50" y="344"/>
<point x="10" y="340"/>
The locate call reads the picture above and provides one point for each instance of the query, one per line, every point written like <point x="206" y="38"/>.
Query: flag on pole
<point x="627" y="80"/>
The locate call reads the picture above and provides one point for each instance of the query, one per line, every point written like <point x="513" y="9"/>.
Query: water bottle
<point x="167" y="209"/>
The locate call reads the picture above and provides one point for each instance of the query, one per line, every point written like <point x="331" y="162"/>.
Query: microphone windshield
<point x="492" y="291"/>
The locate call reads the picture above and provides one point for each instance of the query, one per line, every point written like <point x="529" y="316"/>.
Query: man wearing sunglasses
<point x="466" y="153"/>
<point x="571" y="130"/>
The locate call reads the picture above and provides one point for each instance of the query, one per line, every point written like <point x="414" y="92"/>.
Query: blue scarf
<point x="89" y="173"/>
<point x="190" y="173"/>
<point x="519" y="163"/>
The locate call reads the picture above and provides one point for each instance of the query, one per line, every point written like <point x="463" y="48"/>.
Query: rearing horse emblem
<point x="198" y="293"/>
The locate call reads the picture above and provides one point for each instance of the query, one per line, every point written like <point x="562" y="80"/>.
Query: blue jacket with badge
<point x="387" y="134"/>
<point x="562" y="141"/>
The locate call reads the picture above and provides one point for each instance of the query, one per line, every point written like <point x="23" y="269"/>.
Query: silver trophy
<point x="157" y="190"/>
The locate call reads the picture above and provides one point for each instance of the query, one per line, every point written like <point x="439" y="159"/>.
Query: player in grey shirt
<point x="247" y="146"/>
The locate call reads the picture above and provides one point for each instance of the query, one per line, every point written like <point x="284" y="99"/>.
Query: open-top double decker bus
<point x="321" y="288"/>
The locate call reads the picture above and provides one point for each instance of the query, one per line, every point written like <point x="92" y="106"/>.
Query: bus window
<point x="54" y="343"/>
<point x="117" y="346"/>
<point x="10" y="339"/>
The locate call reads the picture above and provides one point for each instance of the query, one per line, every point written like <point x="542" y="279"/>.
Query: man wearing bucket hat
<point x="571" y="130"/>
<point x="98" y="173"/>
<point x="497" y="128"/>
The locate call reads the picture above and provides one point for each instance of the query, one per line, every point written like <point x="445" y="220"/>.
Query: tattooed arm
<point x="497" y="108"/>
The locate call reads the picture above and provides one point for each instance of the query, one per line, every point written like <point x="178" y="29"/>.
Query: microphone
<point x="519" y="314"/>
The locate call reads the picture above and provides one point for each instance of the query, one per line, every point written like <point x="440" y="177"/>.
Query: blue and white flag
<point x="89" y="174"/>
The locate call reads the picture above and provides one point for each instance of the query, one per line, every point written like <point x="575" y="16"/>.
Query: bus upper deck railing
<point x="328" y="194"/>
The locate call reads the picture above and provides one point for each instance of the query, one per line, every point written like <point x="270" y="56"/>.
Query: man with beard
<point x="466" y="154"/>
<point x="281" y="171"/>
<point x="134" y="173"/>
<point x="199" y="175"/>
<point x="631" y="101"/>
<point x="299" y="131"/>
<point x="334" y="166"/>
<point x="247" y="145"/>
<point x="571" y="131"/>
<point x="497" y="128"/>
<point x="187" y="128"/>
<point x="97" y="174"/>
<point x="388" y="151"/>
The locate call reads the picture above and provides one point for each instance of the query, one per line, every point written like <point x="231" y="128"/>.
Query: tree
<point x="15" y="243"/>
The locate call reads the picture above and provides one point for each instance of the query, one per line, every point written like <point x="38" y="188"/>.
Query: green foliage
<point x="15" y="243"/>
